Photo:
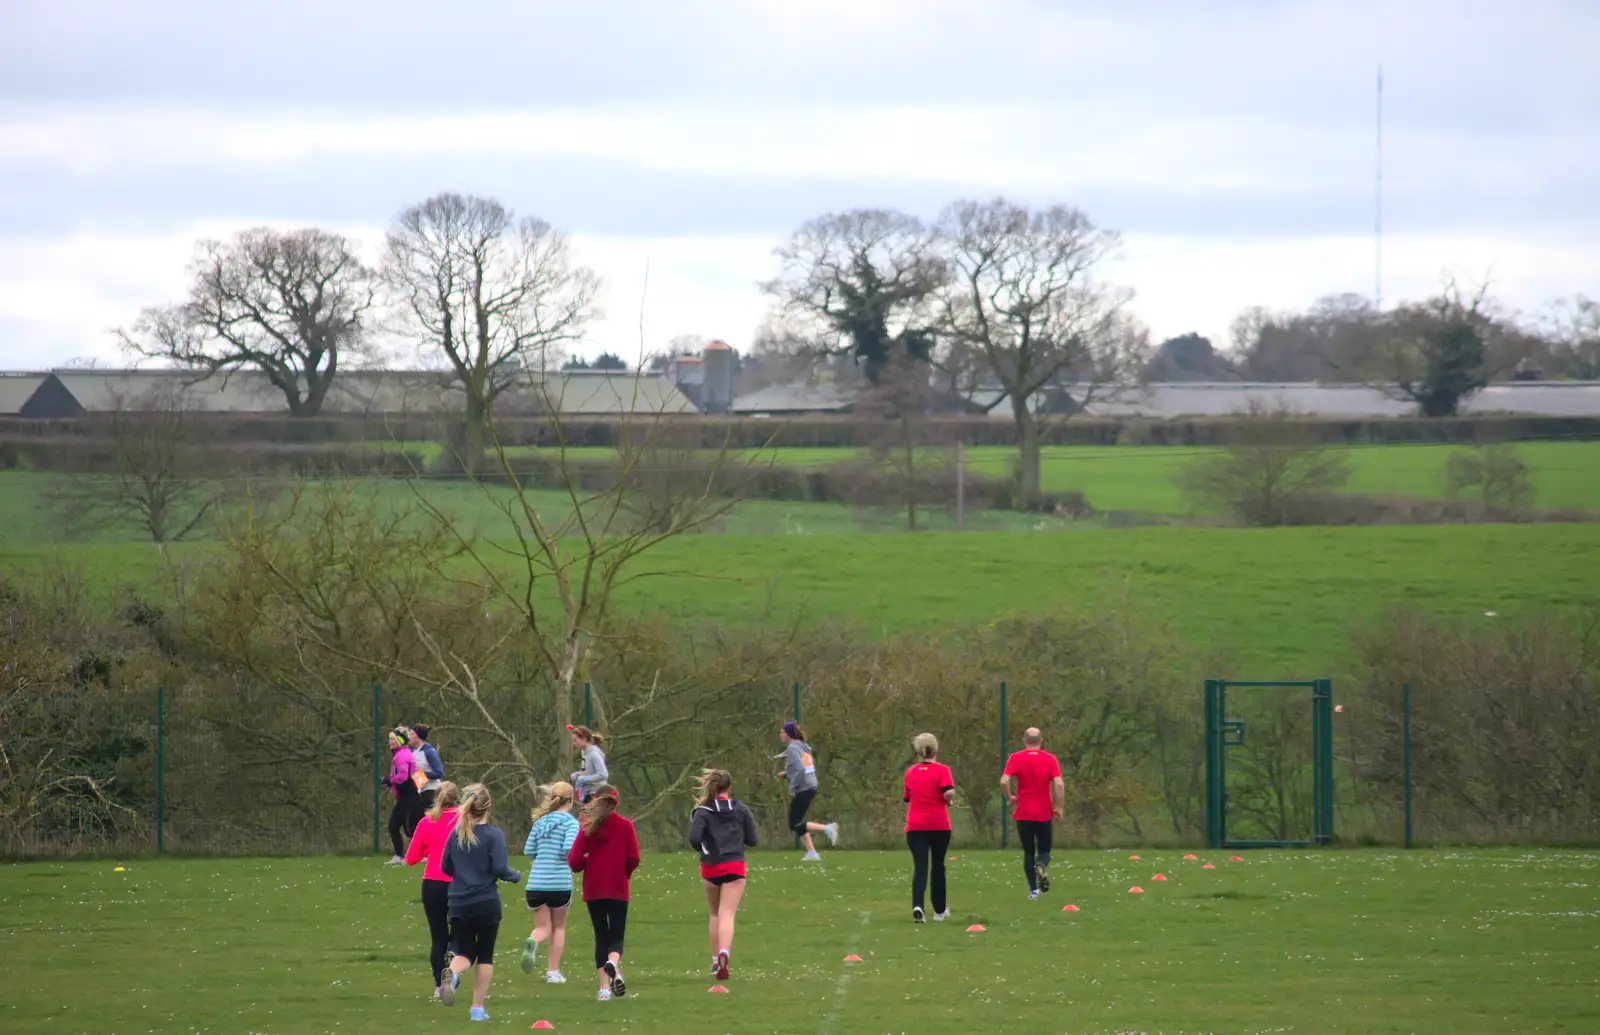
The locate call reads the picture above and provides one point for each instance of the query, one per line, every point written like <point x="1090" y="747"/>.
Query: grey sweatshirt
<point x="802" y="777"/>
<point x="473" y="870"/>
<point x="593" y="772"/>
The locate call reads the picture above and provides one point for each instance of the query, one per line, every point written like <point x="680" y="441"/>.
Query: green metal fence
<point x="213" y="777"/>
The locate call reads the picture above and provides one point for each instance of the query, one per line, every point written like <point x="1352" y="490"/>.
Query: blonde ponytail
<point x="475" y="805"/>
<point x="551" y="798"/>
<point x="449" y="797"/>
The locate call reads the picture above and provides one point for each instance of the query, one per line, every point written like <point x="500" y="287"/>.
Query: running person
<point x="427" y="757"/>
<point x="800" y="769"/>
<point x="720" y="829"/>
<point x="1040" y="795"/>
<point x="429" y="843"/>
<point x="606" y="853"/>
<point x="402" y="785"/>
<point x="474" y="858"/>
<point x="549" y="889"/>
<point x="929" y="790"/>
<point x="592" y="773"/>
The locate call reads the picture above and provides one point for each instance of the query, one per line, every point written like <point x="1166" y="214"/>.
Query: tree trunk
<point x="907" y="443"/>
<point x="1028" y="454"/>
<point x="475" y="432"/>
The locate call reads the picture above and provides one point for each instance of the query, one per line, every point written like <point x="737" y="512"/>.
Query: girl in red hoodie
<point x="606" y="853"/>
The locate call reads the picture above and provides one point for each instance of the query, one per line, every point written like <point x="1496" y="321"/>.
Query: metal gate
<point x="1269" y="764"/>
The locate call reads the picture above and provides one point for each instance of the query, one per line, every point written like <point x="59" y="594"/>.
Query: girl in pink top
<point x="428" y="843"/>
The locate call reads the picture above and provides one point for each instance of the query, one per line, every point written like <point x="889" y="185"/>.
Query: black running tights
<point x="927" y="854"/>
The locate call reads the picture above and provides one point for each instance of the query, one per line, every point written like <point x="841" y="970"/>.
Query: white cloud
<point x="1493" y="114"/>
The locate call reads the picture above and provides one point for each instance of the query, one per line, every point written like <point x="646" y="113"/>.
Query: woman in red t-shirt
<point x="929" y="790"/>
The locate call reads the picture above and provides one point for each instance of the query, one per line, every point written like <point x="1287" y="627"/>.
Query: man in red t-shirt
<point x="1038" y="796"/>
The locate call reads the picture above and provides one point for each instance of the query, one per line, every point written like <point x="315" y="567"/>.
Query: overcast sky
<point x="1232" y="148"/>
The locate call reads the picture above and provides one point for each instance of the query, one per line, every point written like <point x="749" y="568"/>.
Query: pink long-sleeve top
<point x="401" y="766"/>
<point x="428" y="843"/>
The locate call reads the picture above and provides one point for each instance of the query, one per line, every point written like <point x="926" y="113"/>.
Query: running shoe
<point x="619" y="988"/>
<point x="1044" y="878"/>
<point x="916" y="915"/>
<point x="530" y="953"/>
<point x="447" y="989"/>
<point x="479" y="1014"/>
<point x="832" y="830"/>
<point x="721" y="973"/>
<point x="554" y="977"/>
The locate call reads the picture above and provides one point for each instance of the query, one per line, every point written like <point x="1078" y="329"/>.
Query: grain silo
<point x="716" y="396"/>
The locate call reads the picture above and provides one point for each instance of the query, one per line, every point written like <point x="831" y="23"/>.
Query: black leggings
<point x="403" y="818"/>
<point x="1036" y="837"/>
<point x="926" y="846"/>
<point x="436" y="904"/>
<point x="610" y="919"/>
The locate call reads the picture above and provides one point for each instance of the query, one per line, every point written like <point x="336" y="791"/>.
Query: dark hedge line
<point x="846" y="432"/>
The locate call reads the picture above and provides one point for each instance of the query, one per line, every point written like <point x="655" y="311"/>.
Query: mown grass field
<point x="1496" y="941"/>
<point x="1276" y="603"/>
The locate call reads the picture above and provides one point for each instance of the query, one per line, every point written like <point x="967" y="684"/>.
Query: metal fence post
<point x="1405" y="751"/>
<point x="377" y="763"/>
<point x="1005" y="753"/>
<point x="588" y="706"/>
<point x="161" y="774"/>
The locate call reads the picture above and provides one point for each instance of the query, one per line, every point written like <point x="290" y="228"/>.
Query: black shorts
<point x="473" y="931"/>
<point x="797" y="809"/>
<point x="549" y="899"/>
<point x="726" y="878"/>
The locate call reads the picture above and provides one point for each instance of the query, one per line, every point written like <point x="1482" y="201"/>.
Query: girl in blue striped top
<point x="549" y="889"/>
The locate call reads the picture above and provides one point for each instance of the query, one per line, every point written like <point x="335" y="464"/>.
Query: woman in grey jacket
<point x="720" y="829"/>
<point x="800" y="769"/>
<point x="593" y="774"/>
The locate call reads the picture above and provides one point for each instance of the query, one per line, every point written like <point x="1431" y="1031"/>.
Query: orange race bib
<point x="419" y="778"/>
<point x="808" y="763"/>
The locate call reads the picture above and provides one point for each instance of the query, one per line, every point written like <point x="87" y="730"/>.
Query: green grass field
<point x="1142" y="478"/>
<point x="1277" y="602"/>
<point x="1496" y="941"/>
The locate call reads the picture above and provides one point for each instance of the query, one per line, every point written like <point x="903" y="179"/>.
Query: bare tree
<point x="538" y="581"/>
<point x="1023" y="295"/>
<point x="903" y="437"/>
<point x="499" y="298"/>
<point x="145" y="466"/>
<point x="1572" y="329"/>
<point x="291" y="305"/>
<point x="860" y="283"/>
<point x="1270" y="464"/>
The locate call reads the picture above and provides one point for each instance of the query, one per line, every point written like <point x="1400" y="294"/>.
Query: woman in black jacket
<point x="720" y="829"/>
